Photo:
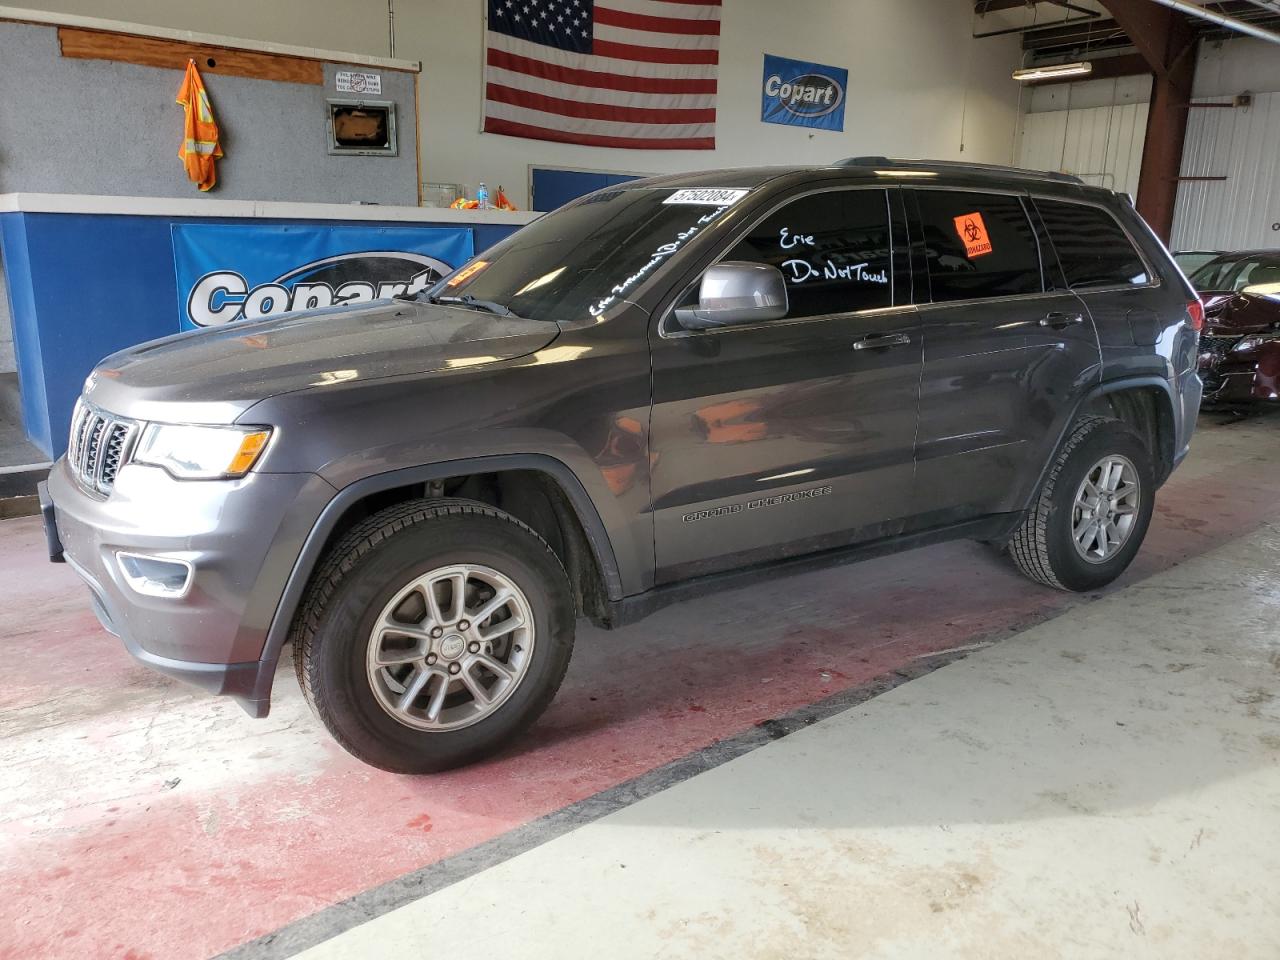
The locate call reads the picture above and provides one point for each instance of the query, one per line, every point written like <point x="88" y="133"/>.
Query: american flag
<point x="617" y="73"/>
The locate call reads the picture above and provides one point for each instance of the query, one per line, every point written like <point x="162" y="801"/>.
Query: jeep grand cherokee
<point x="666" y="386"/>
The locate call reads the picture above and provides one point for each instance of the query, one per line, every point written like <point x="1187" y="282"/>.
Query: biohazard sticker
<point x="973" y="234"/>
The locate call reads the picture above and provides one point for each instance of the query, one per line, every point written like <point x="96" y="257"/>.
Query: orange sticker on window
<point x="973" y="234"/>
<point x="467" y="272"/>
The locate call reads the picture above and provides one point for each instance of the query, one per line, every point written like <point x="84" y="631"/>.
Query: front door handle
<point x="874" y="341"/>
<point x="1060" y="320"/>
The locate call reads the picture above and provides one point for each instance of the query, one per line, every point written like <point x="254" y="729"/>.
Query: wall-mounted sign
<point x="365" y="128"/>
<point x="352" y="81"/>
<point x="803" y="94"/>
<point x="232" y="272"/>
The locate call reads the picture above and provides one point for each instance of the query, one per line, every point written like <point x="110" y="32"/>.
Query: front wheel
<point x="435" y="633"/>
<point x="1092" y="512"/>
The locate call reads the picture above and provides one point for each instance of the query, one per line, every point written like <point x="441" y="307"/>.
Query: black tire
<point x="359" y="578"/>
<point x="1042" y="546"/>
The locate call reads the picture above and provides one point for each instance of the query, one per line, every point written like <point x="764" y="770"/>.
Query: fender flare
<point x="1130" y="383"/>
<point x="598" y="540"/>
<point x="1171" y="407"/>
<point x="1093" y="393"/>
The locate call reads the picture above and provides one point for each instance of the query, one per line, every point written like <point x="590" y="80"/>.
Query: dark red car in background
<point x="1240" y="343"/>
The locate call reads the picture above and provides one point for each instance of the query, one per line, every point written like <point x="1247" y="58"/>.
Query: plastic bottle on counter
<point x="482" y="195"/>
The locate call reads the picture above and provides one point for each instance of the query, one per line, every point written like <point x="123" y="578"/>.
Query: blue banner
<point x="803" y="94"/>
<point x="229" y="272"/>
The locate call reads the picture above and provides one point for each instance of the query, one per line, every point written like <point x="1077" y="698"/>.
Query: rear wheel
<point x="1092" y="513"/>
<point x="436" y="632"/>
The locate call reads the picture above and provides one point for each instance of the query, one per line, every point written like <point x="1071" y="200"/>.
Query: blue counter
<point x="88" y="276"/>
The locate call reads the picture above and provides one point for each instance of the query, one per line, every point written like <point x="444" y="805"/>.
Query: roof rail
<point x="889" y="163"/>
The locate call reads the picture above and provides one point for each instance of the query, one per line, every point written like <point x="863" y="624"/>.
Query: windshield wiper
<point x="467" y="300"/>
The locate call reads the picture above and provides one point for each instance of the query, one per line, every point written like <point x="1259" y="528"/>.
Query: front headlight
<point x="1245" y="344"/>
<point x="191" y="452"/>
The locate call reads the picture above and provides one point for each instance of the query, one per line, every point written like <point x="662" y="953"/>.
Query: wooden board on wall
<point x="172" y="54"/>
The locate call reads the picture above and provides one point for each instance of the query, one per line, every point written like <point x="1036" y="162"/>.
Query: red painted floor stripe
<point x="102" y="854"/>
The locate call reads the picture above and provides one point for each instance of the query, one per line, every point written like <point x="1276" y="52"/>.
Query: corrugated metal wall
<point x="1102" y="145"/>
<point x="1242" y="211"/>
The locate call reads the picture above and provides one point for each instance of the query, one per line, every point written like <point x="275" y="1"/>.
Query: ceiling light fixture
<point x="1054" y="71"/>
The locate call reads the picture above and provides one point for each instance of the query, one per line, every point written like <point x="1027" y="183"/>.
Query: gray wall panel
<point x="99" y="127"/>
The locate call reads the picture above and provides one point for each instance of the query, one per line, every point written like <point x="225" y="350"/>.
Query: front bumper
<point x="1236" y="379"/>
<point x="1240" y="387"/>
<point x="241" y="537"/>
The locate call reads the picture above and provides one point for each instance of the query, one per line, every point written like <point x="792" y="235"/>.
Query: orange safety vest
<point x="200" y="131"/>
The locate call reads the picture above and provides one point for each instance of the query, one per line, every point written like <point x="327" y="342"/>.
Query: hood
<point x="1230" y="314"/>
<point x="219" y="372"/>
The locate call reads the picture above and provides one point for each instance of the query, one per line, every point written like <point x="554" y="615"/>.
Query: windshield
<point x="1192" y="260"/>
<point x="587" y="256"/>
<point x="1257" y="274"/>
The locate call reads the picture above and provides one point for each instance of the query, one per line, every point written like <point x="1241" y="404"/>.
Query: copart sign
<point x="803" y="94"/>
<point x="230" y="272"/>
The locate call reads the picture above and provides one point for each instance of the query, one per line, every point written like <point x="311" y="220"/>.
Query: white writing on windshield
<point x="660" y="254"/>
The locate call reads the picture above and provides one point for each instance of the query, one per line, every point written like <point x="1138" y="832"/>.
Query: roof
<point x="1052" y="31"/>
<point x="882" y="169"/>
<point x="955" y="166"/>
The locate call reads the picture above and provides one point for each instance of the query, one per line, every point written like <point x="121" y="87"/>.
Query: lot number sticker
<point x="708" y="197"/>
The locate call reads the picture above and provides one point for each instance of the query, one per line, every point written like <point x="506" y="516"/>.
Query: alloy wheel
<point x="1105" y="508"/>
<point x="450" y="647"/>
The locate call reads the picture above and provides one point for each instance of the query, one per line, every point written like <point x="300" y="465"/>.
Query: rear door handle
<point x="1060" y="320"/>
<point x="874" y="341"/>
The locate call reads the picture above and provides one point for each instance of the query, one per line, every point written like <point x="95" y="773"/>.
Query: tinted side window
<point x="1092" y="247"/>
<point x="833" y="249"/>
<point x="978" y="245"/>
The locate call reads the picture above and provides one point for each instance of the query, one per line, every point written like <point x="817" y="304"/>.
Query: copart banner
<point x="803" y="94"/>
<point x="229" y="272"/>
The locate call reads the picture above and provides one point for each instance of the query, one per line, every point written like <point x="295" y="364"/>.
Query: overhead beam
<point x="1073" y="32"/>
<point x="1166" y="40"/>
<point x="981" y="7"/>
<point x="1222" y="20"/>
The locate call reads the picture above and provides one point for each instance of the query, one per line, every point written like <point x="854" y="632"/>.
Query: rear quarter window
<point x="1092" y="247"/>
<point x="978" y="245"/>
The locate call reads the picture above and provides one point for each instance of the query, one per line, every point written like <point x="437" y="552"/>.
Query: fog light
<point x="156" y="576"/>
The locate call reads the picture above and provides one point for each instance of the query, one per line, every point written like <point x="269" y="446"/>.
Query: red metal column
<point x="1167" y="41"/>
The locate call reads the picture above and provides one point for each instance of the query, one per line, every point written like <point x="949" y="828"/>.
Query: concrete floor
<point x="994" y="806"/>
<point x="1104" y="785"/>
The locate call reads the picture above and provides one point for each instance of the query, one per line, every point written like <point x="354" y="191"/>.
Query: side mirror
<point x="735" y="292"/>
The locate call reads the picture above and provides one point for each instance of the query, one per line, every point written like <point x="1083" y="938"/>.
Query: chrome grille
<point x="1213" y="350"/>
<point x="1218" y="346"/>
<point x="99" y="446"/>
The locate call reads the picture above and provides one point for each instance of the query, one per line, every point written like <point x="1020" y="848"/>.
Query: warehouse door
<point x="1094" y="130"/>
<point x="1241" y="210"/>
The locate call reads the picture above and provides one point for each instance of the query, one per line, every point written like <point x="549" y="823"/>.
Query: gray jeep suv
<point x="665" y="387"/>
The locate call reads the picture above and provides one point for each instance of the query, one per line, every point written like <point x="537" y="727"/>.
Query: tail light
<point x="1195" y="313"/>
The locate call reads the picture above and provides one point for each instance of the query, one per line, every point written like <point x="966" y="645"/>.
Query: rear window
<point x="1092" y="247"/>
<point x="978" y="245"/>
